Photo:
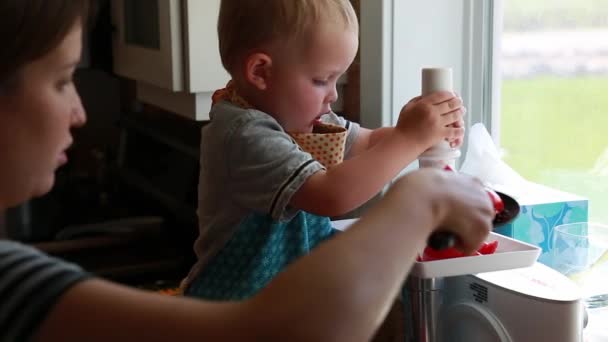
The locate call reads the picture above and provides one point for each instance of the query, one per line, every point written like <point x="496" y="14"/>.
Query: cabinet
<point x="170" y="48"/>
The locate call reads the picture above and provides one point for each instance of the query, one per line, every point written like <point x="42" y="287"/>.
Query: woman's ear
<point x="258" y="70"/>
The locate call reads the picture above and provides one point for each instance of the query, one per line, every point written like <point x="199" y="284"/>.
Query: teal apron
<point x="256" y="253"/>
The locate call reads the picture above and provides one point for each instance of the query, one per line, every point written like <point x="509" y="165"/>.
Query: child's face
<point x="303" y="83"/>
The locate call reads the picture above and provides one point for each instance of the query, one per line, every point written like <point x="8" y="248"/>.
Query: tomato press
<point x="500" y="294"/>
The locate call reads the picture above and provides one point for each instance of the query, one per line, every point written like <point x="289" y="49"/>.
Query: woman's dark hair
<point x="29" y="29"/>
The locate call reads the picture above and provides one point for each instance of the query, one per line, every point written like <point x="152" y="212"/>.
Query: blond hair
<point x="245" y="25"/>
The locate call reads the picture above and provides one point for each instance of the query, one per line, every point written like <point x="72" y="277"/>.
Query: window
<point x="554" y="95"/>
<point x="534" y="72"/>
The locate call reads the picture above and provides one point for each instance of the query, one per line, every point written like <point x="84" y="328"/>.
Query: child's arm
<point x="367" y="138"/>
<point x="422" y="123"/>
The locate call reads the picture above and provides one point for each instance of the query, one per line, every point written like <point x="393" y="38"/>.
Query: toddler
<point x="276" y="162"/>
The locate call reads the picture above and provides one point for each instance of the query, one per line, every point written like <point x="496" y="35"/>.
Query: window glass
<point x="554" y="115"/>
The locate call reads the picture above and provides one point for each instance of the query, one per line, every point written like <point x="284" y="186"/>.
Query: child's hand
<point x="457" y="142"/>
<point x="432" y="118"/>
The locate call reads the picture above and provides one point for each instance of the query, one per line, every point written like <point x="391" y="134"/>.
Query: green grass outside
<point x="554" y="129"/>
<point x="529" y="15"/>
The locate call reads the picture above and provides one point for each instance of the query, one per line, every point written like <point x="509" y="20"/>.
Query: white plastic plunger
<point x="440" y="155"/>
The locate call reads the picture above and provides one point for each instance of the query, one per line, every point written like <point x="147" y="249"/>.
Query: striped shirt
<point x="30" y="284"/>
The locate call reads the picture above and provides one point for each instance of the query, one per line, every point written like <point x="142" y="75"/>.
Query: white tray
<point x="510" y="254"/>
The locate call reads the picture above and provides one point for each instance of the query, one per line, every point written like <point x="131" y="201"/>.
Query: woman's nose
<point x="78" y="115"/>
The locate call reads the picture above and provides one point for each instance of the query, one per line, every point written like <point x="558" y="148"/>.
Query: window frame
<point x="477" y="72"/>
<point x="376" y="54"/>
<point x="485" y="20"/>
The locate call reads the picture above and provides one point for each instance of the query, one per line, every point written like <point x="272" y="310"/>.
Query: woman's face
<point x="35" y="121"/>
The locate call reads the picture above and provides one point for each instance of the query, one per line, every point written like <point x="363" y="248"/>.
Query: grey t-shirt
<point x="248" y="164"/>
<point x="30" y="285"/>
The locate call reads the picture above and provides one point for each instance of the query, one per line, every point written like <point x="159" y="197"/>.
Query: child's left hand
<point x="457" y="142"/>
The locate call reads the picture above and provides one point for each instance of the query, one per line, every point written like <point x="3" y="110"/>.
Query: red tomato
<point x="488" y="247"/>
<point x="431" y="254"/>
<point x="499" y="205"/>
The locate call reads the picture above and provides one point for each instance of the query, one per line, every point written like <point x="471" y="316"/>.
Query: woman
<point x="344" y="288"/>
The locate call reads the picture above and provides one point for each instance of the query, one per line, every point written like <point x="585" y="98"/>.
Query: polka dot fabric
<point x="229" y="94"/>
<point x="326" y="143"/>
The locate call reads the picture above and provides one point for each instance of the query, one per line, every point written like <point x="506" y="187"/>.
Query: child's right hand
<point x="432" y="118"/>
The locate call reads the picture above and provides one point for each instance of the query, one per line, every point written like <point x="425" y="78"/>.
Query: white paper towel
<point x="483" y="161"/>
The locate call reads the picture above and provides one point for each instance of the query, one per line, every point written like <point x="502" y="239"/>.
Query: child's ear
<point x="257" y="70"/>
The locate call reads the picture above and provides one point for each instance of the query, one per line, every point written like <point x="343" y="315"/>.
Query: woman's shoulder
<point x="33" y="280"/>
<point x="14" y="253"/>
<point x="9" y="246"/>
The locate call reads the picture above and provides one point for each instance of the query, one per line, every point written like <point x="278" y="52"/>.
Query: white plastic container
<point x="439" y="156"/>
<point x="510" y="254"/>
